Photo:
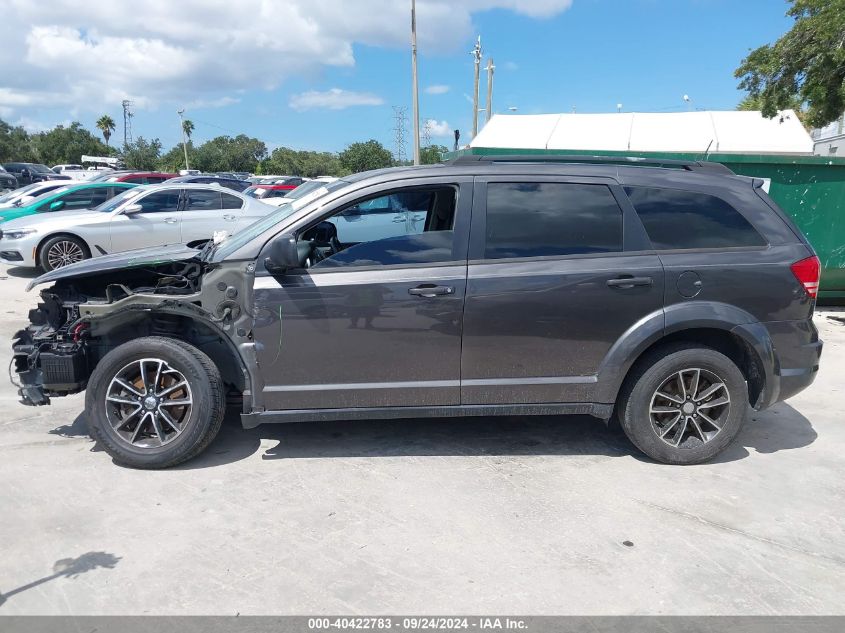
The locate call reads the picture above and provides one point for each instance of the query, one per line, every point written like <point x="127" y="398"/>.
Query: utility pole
<point x="184" y="143"/>
<point x="416" y="97"/>
<point x="127" y="121"/>
<point x="490" y="69"/>
<point x="476" y="55"/>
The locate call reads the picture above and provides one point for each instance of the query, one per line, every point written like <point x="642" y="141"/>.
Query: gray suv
<point x="673" y="296"/>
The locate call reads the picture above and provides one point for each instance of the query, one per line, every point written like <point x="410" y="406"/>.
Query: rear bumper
<point x="796" y="350"/>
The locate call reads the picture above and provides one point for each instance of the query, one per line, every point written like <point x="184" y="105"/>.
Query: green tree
<point x="106" y="125"/>
<point x="67" y="144"/>
<point x="807" y="63"/>
<point x="365" y="156"/>
<point x="15" y="144"/>
<point x="142" y="154"/>
<point x="306" y="163"/>
<point x="188" y="128"/>
<point x="174" y="159"/>
<point x="226" y="153"/>
<point x="432" y="154"/>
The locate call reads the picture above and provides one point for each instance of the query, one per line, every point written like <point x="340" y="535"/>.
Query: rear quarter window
<point x="676" y="219"/>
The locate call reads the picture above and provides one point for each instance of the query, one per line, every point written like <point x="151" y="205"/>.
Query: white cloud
<point x="510" y="66"/>
<point x="437" y="89"/>
<point x="438" y="128"/>
<point x="222" y="102"/>
<point x="334" y="99"/>
<point x="90" y="55"/>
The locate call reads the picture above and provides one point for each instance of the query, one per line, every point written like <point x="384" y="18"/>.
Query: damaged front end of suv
<point x="99" y="304"/>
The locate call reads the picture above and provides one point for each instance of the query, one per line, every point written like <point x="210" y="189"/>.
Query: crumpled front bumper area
<point x="47" y="369"/>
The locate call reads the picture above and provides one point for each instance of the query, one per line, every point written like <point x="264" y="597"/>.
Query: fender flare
<point x="690" y="315"/>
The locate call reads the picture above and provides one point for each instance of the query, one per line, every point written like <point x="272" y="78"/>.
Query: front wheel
<point x="683" y="404"/>
<point x="155" y="402"/>
<point x="62" y="250"/>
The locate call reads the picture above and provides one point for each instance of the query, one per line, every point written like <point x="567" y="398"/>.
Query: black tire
<point x="201" y="421"/>
<point x="71" y="245"/>
<point x="660" y="368"/>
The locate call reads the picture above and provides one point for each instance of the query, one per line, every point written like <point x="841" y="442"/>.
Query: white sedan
<point x="148" y="215"/>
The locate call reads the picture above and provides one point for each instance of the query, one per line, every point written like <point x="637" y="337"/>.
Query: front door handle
<point x="430" y="290"/>
<point x="399" y="218"/>
<point x="630" y="282"/>
<point x="230" y="218"/>
<point x="170" y="220"/>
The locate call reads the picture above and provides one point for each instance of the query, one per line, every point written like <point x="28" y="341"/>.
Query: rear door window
<point x="542" y="219"/>
<point x="203" y="200"/>
<point x="160" y="202"/>
<point x="676" y="219"/>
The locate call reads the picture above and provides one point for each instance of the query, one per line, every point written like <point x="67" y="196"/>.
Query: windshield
<point x="41" y="169"/>
<point x="244" y="236"/>
<point x="108" y="176"/>
<point x="45" y="196"/>
<point x="19" y="193"/>
<point x="110" y="205"/>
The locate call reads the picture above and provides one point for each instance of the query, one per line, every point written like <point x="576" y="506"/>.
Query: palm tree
<point x="188" y="128"/>
<point x="106" y="125"/>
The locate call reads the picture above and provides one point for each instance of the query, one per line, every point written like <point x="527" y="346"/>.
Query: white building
<point x="830" y="140"/>
<point x="723" y="132"/>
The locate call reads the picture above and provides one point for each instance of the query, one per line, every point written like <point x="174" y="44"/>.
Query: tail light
<point x="807" y="272"/>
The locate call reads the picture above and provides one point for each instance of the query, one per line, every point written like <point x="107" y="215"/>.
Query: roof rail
<point x="689" y="165"/>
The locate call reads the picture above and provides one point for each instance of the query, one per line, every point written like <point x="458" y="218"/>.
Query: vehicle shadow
<point x="779" y="428"/>
<point x="20" y="271"/>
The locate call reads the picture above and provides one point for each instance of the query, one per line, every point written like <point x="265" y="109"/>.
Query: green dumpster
<point x="811" y="189"/>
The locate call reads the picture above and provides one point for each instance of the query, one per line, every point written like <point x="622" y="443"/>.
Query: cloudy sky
<point x="323" y="73"/>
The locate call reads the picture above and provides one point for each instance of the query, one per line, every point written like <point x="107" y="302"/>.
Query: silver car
<point x="149" y="215"/>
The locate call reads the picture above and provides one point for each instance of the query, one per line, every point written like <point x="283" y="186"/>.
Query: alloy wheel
<point x="63" y="253"/>
<point x="689" y="408"/>
<point x="148" y="403"/>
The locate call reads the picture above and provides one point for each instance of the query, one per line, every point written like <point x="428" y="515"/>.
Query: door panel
<point x="359" y="338"/>
<point x="376" y="323"/>
<point x="203" y="215"/>
<point x="558" y="272"/>
<point x="157" y="224"/>
<point x="538" y="331"/>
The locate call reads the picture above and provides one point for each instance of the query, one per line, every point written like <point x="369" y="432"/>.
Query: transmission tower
<point x="426" y="133"/>
<point x="400" y="116"/>
<point x="127" y="121"/>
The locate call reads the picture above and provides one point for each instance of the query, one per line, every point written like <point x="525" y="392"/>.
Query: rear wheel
<point x="62" y="250"/>
<point x="155" y="402"/>
<point x="683" y="404"/>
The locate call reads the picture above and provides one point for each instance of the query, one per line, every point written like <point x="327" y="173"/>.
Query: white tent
<point x="737" y="132"/>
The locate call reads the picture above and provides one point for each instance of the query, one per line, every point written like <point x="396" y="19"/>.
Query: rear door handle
<point x="430" y="290"/>
<point x="229" y="217"/>
<point x="630" y="282"/>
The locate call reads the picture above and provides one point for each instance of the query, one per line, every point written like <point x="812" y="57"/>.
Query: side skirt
<point x="601" y="411"/>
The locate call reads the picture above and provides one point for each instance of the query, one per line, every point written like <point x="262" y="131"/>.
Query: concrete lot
<point x="527" y="516"/>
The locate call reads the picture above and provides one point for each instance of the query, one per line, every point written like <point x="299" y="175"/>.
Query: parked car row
<point x="28" y="173"/>
<point x="52" y="224"/>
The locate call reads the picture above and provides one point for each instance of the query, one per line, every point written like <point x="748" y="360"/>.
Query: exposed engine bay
<point x="81" y="318"/>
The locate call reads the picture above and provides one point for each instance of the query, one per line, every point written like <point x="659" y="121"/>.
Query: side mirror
<point x="283" y="253"/>
<point x="58" y="205"/>
<point x="133" y="208"/>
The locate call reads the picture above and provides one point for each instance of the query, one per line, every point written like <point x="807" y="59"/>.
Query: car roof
<point x="622" y="170"/>
<point x="170" y="184"/>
